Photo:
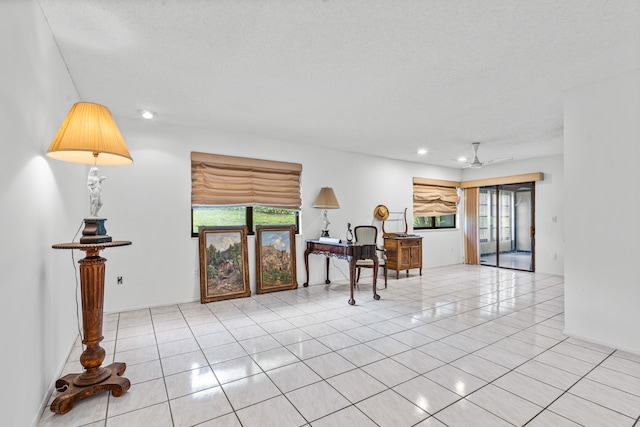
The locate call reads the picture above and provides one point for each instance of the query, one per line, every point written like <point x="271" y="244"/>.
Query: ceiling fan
<point x="477" y="164"/>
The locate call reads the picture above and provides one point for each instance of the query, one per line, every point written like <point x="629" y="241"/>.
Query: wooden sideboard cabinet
<point x="403" y="253"/>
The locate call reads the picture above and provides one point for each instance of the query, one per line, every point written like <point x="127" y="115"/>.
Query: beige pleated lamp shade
<point x="89" y="135"/>
<point x="326" y="199"/>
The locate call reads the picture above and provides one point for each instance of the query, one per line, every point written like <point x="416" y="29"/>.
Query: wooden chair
<point x="369" y="234"/>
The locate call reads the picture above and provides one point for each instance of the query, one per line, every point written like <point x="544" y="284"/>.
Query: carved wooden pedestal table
<point x="95" y="378"/>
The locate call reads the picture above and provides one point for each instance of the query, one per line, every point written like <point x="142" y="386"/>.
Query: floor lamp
<point x="89" y="135"/>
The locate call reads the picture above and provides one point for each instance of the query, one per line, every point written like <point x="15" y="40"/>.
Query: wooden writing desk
<point x="351" y="252"/>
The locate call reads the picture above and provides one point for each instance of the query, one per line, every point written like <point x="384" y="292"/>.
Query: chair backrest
<point x="366" y="234"/>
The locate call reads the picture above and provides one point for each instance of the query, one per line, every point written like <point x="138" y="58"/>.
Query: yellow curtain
<point x="230" y="180"/>
<point x="471" y="239"/>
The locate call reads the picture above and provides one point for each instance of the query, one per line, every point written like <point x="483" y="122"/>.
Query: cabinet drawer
<point x="412" y="242"/>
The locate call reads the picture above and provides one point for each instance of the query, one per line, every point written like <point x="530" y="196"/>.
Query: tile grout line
<point x="453" y="333"/>
<point x="164" y="377"/>
<point x="261" y="369"/>
<point x="570" y="387"/>
<point x="468" y="353"/>
<point x="492" y="381"/>
<point x="402" y="301"/>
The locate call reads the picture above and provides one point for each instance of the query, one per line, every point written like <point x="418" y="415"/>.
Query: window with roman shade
<point x="434" y="203"/>
<point x="229" y="190"/>
<point x="229" y="180"/>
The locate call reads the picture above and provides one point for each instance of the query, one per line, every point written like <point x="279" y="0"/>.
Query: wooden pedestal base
<point x="71" y="392"/>
<point x="95" y="378"/>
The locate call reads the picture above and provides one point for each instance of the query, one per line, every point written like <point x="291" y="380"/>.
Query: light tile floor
<point x="458" y="346"/>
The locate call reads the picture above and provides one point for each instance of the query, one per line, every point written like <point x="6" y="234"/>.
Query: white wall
<point x="43" y="202"/>
<point x="149" y="203"/>
<point x="549" y="204"/>
<point x="37" y="308"/>
<point x="602" y="150"/>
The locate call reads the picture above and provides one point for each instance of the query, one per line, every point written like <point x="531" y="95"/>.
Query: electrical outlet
<point x="119" y="280"/>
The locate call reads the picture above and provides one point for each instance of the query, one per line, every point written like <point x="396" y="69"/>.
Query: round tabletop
<point x="89" y="246"/>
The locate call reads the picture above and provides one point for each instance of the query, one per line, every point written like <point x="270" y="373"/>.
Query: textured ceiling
<point x="368" y="76"/>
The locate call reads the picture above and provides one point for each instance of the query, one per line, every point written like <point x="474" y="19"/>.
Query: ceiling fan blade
<point x="503" y="159"/>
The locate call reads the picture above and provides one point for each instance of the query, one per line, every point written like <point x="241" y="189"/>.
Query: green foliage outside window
<point x="434" y="222"/>
<point x="241" y="215"/>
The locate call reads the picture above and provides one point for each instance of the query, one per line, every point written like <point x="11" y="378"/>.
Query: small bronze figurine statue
<point x="349" y="233"/>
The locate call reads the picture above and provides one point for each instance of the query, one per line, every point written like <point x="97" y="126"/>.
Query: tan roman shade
<point x="433" y="200"/>
<point x="229" y="180"/>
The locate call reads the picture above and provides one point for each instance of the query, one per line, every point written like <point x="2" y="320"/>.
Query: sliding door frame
<point x="498" y="189"/>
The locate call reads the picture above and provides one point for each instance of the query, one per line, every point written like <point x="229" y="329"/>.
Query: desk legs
<point x="375" y="279"/>
<point x="95" y="378"/>
<point x="327" y="281"/>
<point x="352" y="273"/>
<point x="352" y="279"/>
<point x="306" y="267"/>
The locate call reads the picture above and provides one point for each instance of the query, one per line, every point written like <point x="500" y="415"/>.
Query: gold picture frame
<point x="275" y="258"/>
<point x="224" y="265"/>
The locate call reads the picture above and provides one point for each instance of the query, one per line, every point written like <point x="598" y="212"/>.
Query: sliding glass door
<point x="487" y="226"/>
<point x="506" y="226"/>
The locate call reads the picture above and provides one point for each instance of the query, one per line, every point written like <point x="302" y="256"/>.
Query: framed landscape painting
<point x="275" y="258"/>
<point x="224" y="265"/>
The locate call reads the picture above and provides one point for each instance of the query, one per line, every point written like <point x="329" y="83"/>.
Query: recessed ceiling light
<point x="146" y="114"/>
<point x="422" y="151"/>
<point x="462" y="159"/>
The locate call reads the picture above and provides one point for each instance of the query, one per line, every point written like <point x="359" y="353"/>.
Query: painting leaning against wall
<point x="224" y="271"/>
<point x="275" y="258"/>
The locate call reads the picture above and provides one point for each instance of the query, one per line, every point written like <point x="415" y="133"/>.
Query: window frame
<point x="434" y="227"/>
<point x="248" y="221"/>
<point x="435" y="196"/>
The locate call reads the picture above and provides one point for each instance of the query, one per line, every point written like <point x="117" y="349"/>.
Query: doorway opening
<point x="506" y="226"/>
